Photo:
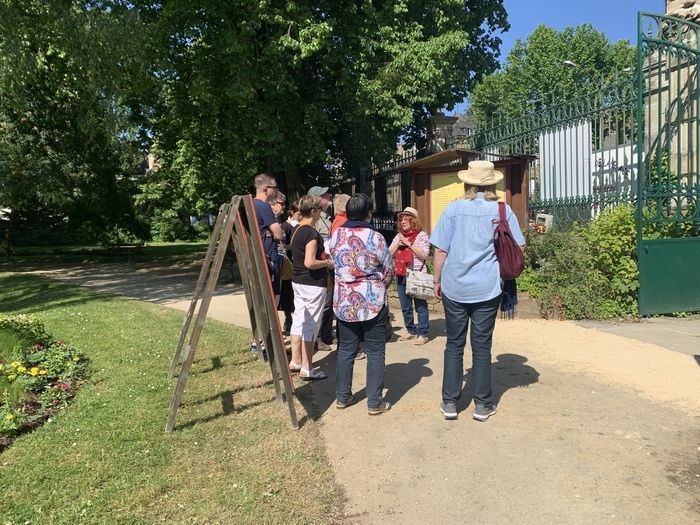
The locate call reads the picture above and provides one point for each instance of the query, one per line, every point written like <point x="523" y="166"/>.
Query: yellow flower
<point x="76" y="359"/>
<point x="34" y="371"/>
<point x="11" y="377"/>
<point x="9" y="417"/>
<point x="14" y="364"/>
<point x="21" y="369"/>
<point x="42" y="372"/>
<point x="2" y="366"/>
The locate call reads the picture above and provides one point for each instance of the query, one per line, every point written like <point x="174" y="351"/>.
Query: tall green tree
<point x="293" y="87"/>
<point x="549" y="67"/>
<point x="69" y="150"/>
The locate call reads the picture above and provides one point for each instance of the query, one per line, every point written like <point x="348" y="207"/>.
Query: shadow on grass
<point x="228" y="394"/>
<point x="31" y="294"/>
<point x="227" y="408"/>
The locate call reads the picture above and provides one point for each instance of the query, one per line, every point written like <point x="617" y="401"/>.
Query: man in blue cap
<point x="323" y="226"/>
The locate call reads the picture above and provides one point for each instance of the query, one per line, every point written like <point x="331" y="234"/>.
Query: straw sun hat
<point x="409" y="211"/>
<point x="480" y="173"/>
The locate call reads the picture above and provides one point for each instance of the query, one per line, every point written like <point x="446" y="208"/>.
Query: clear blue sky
<point x="616" y="18"/>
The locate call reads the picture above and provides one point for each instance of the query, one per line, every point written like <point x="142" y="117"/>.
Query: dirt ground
<point x="591" y="427"/>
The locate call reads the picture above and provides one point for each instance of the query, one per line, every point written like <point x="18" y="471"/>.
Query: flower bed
<point x="38" y="375"/>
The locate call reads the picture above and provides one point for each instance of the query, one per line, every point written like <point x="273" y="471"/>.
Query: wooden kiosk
<point x="434" y="183"/>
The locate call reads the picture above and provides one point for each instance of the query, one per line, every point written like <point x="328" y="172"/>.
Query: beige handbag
<point x="419" y="284"/>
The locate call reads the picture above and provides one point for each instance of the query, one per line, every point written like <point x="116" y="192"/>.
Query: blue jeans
<point x="372" y="333"/>
<point x="407" y="310"/>
<point x="483" y="319"/>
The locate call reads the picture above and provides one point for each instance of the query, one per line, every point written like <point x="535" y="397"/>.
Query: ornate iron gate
<point x="668" y="147"/>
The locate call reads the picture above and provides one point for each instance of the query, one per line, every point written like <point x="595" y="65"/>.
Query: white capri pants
<point x="308" y="308"/>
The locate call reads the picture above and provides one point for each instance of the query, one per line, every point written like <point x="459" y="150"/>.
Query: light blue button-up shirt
<point x="465" y="231"/>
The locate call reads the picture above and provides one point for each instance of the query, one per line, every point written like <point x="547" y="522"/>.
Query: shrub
<point x="38" y="374"/>
<point x="612" y="238"/>
<point x="562" y="276"/>
<point x="27" y="328"/>
<point x="585" y="272"/>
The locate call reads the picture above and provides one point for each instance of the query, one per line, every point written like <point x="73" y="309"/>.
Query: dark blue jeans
<point x="407" y="310"/>
<point x="372" y="333"/>
<point x="483" y="319"/>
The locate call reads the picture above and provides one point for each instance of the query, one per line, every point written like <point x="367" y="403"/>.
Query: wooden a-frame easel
<point x="236" y="223"/>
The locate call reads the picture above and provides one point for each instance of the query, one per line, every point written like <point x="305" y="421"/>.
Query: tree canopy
<point x="535" y="75"/>
<point x="69" y="153"/>
<point x="218" y="91"/>
<point x="293" y="87"/>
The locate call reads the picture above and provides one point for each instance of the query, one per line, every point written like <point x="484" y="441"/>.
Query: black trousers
<point x="325" y="333"/>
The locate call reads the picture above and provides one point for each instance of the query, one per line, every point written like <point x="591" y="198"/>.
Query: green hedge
<point x="585" y="272"/>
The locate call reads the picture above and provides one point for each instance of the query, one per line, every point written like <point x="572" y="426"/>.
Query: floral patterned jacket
<point x="363" y="270"/>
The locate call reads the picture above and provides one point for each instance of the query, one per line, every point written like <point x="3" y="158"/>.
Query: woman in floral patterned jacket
<point x="363" y="270"/>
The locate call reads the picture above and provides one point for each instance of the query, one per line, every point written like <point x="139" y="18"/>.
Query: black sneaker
<point x="375" y="411"/>
<point x="483" y="412"/>
<point x="345" y="404"/>
<point x="449" y="410"/>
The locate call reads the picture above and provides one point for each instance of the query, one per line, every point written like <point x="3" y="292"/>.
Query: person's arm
<point x="421" y="247"/>
<point x="515" y="228"/>
<point x="268" y="218"/>
<point x="394" y="244"/>
<point x="439" y="261"/>
<point x="386" y="260"/>
<point x="441" y="239"/>
<point x="310" y="260"/>
<point x="276" y="231"/>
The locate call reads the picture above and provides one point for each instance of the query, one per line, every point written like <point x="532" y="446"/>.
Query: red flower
<point x="60" y="385"/>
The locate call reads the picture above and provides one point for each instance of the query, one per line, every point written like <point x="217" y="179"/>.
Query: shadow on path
<point x="317" y="396"/>
<point x="399" y="378"/>
<point x="508" y="371"/>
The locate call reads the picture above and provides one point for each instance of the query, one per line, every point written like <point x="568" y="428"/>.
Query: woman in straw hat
<point x="410" y="249"/>
<point x="467" y="280"/>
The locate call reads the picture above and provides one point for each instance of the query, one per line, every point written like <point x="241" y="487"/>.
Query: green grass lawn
<point x="162" y="253"/>
<point x="233" y="458"/>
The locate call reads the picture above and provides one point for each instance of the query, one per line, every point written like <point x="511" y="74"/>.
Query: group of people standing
<point x="342" y="268"/>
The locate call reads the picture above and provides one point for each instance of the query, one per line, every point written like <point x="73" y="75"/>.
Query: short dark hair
<point x="359" y="207"/>
<point x="293" y="208"/>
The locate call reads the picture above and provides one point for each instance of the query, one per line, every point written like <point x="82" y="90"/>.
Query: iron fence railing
<point x="586" y="154"/>
<point x="583" y="157"/>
